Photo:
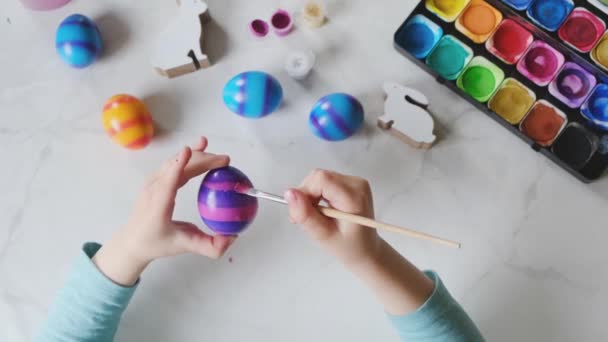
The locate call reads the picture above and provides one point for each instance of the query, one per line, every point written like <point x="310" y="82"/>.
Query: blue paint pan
<point x="419" y="36"/>
<point x="595" y="109"/>
<point x="550" y="14"/>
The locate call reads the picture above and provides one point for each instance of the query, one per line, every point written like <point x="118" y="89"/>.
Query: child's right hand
<point x="350" y="243"/>
<point x="398" y="284"/>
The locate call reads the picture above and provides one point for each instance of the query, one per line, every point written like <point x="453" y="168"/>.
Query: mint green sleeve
<point x="439" y="319"/>
<point x="89" y="307"/>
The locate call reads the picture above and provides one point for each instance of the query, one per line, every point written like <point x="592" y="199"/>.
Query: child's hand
<point x="151" y="232"/>
<point x="398" y="284"/>
<point x="349" y="242"/>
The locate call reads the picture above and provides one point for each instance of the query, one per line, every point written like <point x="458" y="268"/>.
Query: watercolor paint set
<point x="538" y="67"/>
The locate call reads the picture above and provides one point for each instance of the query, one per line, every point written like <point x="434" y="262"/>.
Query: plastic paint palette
<point x="538" y="67"/>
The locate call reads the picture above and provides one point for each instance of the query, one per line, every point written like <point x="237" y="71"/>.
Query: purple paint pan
<point x="281" y="22"/>
<point x="541" y="63"/>
<point x="259" y="28"/>
<point x="572" y="85"/>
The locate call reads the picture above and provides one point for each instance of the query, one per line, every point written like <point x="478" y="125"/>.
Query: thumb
<point x="303" y="212"/>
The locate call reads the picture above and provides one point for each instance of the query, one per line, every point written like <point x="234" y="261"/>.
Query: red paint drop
<point x="582" y="30"/>
<point x="510" y="41"/>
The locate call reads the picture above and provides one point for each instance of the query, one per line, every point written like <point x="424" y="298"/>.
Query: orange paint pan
<point x="478" y="21"/>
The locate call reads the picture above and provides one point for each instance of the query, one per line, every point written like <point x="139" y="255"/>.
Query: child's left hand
<point x="151" y="232"/>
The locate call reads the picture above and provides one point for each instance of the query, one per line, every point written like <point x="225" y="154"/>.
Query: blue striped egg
<point x="78" y="41"/>
<point x="336" y="117"/>
<point x="253" y="94"/>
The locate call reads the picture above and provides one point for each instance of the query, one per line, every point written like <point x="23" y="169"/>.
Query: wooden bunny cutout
<point x="406" y="116"/>
<point x="179" y="49"/>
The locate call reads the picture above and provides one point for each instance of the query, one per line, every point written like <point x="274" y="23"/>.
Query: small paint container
<point x="510" y="41"/>
<point x="447" y="10"/>
<point x="582" y="29"/>
<point x="512" y="101"/>
<point x="602" y="5"/>
<point x="449" y="57"/>
<point x="540" y="63"/>
<point x="576" y="145"/>
<point x="478" y="21"/>
<point x="480" y="79"/>
<point x="599" y="54"/>
<point x="595" y="109"/>
<point x="543" y="123"/>
<point x="419" y="36"/>
<point x="299" y="64"/>
<point x="259" y="28"/>
<point x="520" y="5"/>
<point x="43" y="5"/>
<point x="281" y="22"/>
<point x="550" y="14"/>
<point x="313" y="14"/>
<point x="572" y="85"/>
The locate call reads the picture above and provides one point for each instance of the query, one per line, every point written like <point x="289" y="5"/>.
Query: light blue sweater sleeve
<point x="439" y="319"/>
<point x="89" y="307"/>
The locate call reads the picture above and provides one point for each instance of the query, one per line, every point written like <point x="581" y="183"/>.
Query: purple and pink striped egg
<point x="224" y="210"/>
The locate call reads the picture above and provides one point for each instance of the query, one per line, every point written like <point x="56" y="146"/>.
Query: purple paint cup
<point x="281" y="23"/>
<point x="259" y="28"/>
<point x="43" y="5"/>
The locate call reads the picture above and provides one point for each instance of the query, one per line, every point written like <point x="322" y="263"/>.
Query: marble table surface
<point x="533" y="265"/>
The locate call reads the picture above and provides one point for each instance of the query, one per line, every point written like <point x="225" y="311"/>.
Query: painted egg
<point x="253" y="94"/>
<point x="128" y="121"/>
<point x="78" y="41"/>
<point x="336" y="117"/>
<point x="224" y="210"/>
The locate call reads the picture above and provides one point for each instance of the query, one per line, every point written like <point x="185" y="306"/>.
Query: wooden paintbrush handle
<point x="367" y="222"/>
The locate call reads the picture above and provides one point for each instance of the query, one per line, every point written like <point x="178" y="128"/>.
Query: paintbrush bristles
<point x="242" y="188"/>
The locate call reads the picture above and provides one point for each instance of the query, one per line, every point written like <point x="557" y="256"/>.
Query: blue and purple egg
<point x="336" y="117"/>
<point x="78" y="41"/>
<point x="253" y="94"/>
<point x="224" y="210"/>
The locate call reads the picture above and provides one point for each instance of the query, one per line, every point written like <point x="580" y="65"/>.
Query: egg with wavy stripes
<point x="78" y="41"/>
<point x="128" y="122"/>
<point x="336" y="117"/>
<point x="253" y="94"/>
<point x="224" y="210"/>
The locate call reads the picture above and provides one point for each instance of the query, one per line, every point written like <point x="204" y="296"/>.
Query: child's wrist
<point x="118" y="261"/>
<point x="373" y="256"/>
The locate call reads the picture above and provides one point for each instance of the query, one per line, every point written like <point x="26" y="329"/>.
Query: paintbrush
<point x="340" y="215"/>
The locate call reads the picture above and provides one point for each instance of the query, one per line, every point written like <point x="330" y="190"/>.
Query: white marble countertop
<point x="533" y="266"/>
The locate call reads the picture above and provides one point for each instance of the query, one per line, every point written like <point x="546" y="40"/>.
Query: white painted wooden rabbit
<point x="179" y="48"/>
<point x="406" y="117"/>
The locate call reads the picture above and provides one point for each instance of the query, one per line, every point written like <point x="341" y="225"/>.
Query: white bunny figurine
<point x="179" y="48"/>
<point x="406" y="116"/>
